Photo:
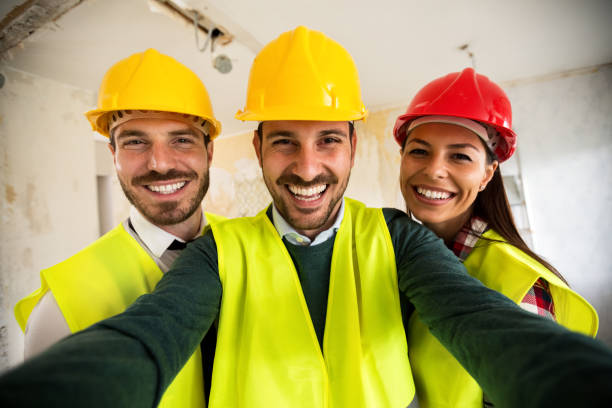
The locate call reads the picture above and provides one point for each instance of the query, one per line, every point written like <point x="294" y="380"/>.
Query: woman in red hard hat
<point x="453" y="136"/>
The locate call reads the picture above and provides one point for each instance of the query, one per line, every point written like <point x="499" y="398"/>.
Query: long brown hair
<point x="492" y="205"/>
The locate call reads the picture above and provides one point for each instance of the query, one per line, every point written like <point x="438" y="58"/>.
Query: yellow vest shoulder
<point x="102" y="280"/>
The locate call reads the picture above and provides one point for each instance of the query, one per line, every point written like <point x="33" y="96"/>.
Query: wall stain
<point x="36" y="211"/>
<point x="27" y="258"/>
<point x="9" y="193"/>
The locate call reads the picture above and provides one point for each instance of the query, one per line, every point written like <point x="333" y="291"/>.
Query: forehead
<point x="304" y="127"/>
<point x="445" y="133"/>
<point x="154" y="125"/>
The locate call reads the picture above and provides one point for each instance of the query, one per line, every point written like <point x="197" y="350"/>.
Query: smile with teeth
<point x="307" y="193"/>
<point x="433" y="195"/>
<point x="166" y="188"/>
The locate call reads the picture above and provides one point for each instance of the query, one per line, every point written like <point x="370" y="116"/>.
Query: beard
<point x="167" y="212"/>
<point x="306" y="219"/>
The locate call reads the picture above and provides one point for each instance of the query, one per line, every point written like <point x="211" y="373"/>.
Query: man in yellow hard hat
<point x="311" y="294"/>
<point x="160" y="124"/>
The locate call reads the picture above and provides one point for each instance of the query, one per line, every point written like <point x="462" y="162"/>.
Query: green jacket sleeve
<point x="519" y="359"/>
<point x="129" y="359"/>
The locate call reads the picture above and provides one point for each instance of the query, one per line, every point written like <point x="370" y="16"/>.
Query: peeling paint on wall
<point x="47" y="188"/>
<point x="36" y="211"/>
<point x="9" y="194"/>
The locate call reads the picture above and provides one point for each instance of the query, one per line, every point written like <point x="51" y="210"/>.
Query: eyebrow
<point x="130" y="132"/>
<point x="140" y="133"/>
<point x="185" y="131"/>
<point x="338" y="132"/>
<point x="463" y="146"/>
<point x="280" y="133"/>
<point x="288" y="133"/>
<point x="452" y="146"/>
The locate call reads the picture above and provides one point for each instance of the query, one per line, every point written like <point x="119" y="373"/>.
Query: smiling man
<point x="306" y="192"/>
<point x="160" y="124"/>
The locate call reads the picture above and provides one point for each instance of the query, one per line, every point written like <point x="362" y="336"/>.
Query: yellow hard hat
<point x="303" y="75"/>
<point x="151" y="81"/>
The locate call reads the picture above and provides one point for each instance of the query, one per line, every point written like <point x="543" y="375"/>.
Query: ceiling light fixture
<point x="214" y="33"/>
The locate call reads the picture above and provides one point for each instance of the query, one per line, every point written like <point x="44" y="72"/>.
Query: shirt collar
<point x="287" y="231"/>
<point x="155" y="238"/>
<point x="467" y="237"/>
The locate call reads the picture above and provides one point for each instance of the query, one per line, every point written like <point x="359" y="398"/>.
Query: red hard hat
<point x="464" y="94"/>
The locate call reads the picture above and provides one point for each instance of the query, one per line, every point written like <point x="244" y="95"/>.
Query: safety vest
<point x="440" y="380"/>
<point x="267" y="351"/>
<point x="103" y="280"/>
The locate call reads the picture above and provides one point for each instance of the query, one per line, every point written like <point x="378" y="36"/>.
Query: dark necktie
<point x="177" y="245"/>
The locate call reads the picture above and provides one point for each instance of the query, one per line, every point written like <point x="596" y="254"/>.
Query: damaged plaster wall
<point x="47" y="188"/>
<point x="564" y="130"/>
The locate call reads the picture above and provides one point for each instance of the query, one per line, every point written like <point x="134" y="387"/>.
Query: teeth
<point x="307" y="194"/>
<point x="434" y="195"/>
<point x="167" y="188"/>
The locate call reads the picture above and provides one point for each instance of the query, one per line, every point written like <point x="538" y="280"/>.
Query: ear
<point x="353" y="146"/>
<point x="112" y="150"/>
<point x="257" y="147"/>
<point x="489" y="172"/>
<point x="209" y="152"/>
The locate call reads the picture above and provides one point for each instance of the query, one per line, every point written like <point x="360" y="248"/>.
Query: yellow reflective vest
<point x="440" y="380"/>
<point x="103" y="280"/>
<point x="267" y="351"/>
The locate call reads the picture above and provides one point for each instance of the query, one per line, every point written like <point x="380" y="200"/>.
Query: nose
<point x="435" y="167"/>
<point x="307" y="164"/>
<point x="161" y="158"/>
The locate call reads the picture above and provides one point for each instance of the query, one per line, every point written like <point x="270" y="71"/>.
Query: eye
<point x="461" y="157"/>
<point x="417" y="152"/>
<point x="184" y="140"/>
<point x="329" y="140"/>
<point x="132" y="143"/>
<point x="281" y="142"/>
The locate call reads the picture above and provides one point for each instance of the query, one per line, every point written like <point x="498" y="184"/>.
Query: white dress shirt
<point x="287" y="231"/>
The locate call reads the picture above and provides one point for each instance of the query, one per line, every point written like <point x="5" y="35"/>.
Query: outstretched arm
<point x="128" y="359"/>
<point x="519" y="359"/>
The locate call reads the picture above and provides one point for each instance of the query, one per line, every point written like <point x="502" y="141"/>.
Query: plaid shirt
<point x="537" y="300"/>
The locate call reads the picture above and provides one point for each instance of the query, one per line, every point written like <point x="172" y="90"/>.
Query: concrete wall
<point x="564" y="128"/>
<point x="48" y="191"/>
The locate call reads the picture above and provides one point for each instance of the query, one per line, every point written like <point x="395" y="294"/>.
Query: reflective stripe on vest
<point x="267" y="352"/>
<point x="440" y="380"/>
<point x="103" y="280"/>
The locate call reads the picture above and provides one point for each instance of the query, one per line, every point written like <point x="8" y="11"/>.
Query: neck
<point x="311" y="234"/>
<point x="448" y="229"/>
<point x="186" y="230"/>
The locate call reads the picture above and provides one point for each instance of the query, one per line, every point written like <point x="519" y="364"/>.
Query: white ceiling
<point x="398" y="45"/>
